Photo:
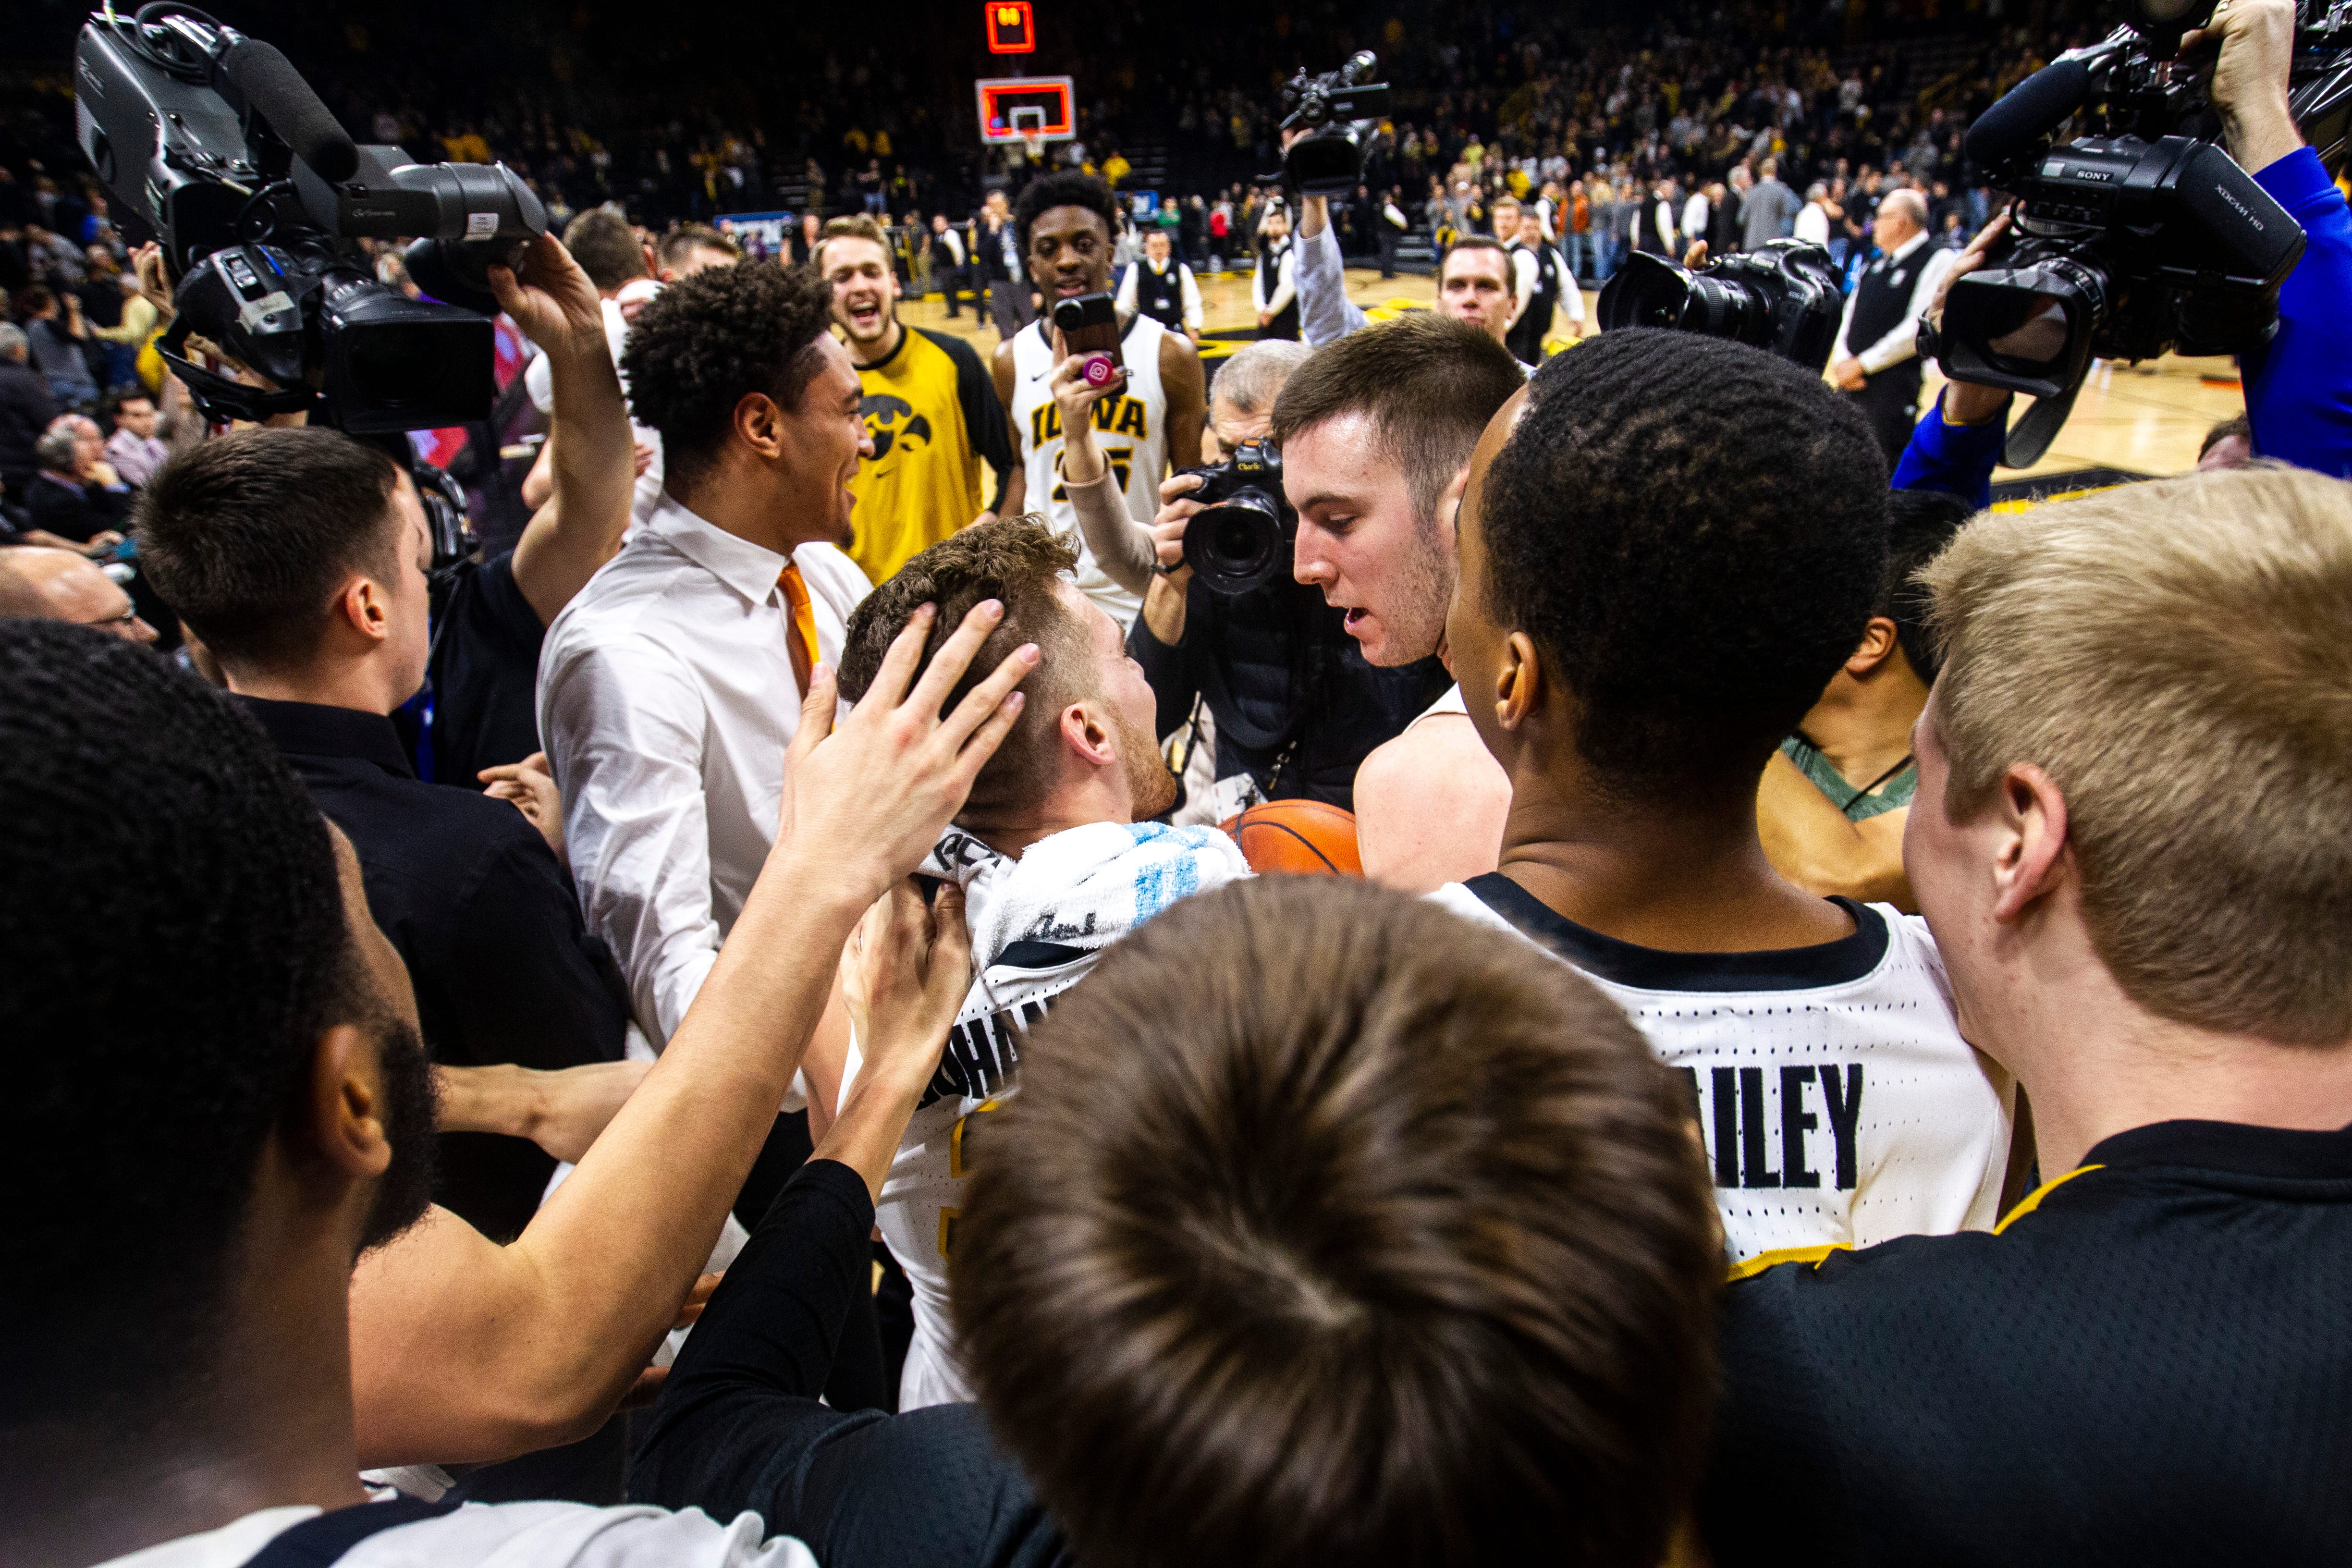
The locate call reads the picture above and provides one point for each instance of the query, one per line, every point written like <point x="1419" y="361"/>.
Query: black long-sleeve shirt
<point x="739" y="1426"/>
<point x="1296" y="705"/>
<point x="487" y="922"/>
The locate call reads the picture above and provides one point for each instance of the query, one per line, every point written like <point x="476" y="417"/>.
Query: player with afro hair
<point x="706" y="342"/>
<point x="1691" y="531"/>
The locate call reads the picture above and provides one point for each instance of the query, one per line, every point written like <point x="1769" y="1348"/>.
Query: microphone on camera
<point x="280" y="95"/>
<point x="2028" y="112"/>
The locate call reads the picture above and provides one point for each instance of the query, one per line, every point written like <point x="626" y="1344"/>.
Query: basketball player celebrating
<point x="1066" y="222"/>
<point x="1838" y="1102"/>
<point x="1163" y="289"/>
<point x="927" y="404"/>
<point x="1053" y="850"/>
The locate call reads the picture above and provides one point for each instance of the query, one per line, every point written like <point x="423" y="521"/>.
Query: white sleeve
<point x="1126" y="301"/>
<point x="1193" y="315"/>
<point x="624" y="729"/>
<point x="1838" y="353"/>
<point x="1571" y="293"/>
<point x="539" y="380"/>
<point x="1258" y="288"/>
<point x="1286" y="281"/>
<point x="1326" y="314"/>
<point x="1901" y="340"/>
<point x="1523" y="280"/>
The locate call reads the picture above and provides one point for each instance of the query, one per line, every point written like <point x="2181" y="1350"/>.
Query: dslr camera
<point x="2141" y="234"/>
<point x="1784" y="299"/>
<point x="257" y="197"/>
<point x="1339" y="111"/>
<point x="1241" y="539"/>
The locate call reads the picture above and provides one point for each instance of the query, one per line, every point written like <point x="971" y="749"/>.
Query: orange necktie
<point x="796" y="596"/>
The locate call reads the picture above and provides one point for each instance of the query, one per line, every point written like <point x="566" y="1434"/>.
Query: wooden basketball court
<point x="2145" y="419"/>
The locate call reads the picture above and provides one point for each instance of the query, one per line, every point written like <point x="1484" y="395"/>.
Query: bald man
<point x="1876" y="359"/>
<point x="44" y="584"/>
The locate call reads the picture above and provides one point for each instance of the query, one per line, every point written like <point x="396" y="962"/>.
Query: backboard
<point x="1012" y="109"/>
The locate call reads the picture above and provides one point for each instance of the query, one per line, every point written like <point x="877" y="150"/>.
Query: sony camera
<point x="1783" y="298"/>
<point x="1339" y="111"/>
<point x="2141" y="233"/>
<point x="256" y="195"/>
<point x="1241" y="539"/>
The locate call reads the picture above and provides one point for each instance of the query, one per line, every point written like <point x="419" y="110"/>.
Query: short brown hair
<point x="1476" y="242"/>
<point x="249" y="538"/>
<point x="2173" y="654"/>
<point x="1018" y="561"/>
<point x="1429" y="383"/>
<point x="857" y="226"/>
<point x="606" y="248"/>
<point x="694" y="236"/>
<point x="1328" y="1227"/>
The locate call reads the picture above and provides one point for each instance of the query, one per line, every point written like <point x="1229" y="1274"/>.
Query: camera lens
<point x="1238" y="544"/>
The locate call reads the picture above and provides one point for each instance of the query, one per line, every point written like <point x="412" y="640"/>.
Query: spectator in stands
<point x="76" y="494"/>
<point x="299" y="556"/>
<point x="50" y="585"/>
<point x="133" y="449"/>
<point x="123" y="337"/>
<point x="26" y="408"/>
<point x="56" y="333"/>
<point x="1835" y="799"/>
<point x="2166" y="972"/>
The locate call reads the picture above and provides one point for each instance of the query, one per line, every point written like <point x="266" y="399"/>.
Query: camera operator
<point x="1876" y="359"/>
<point x="2299" y="389"/>
<point x="1294" y="706"/>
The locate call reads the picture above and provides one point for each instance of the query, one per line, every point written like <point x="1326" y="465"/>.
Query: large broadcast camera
<point x="1338" y="110"/>
<point x="258" y="196"/>
<point x="1783" y="298"/>
<point x="1241" y="538"/>
<point x="2141" y="236"/>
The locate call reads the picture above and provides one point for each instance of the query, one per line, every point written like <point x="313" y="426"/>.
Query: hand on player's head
<point x="865" y="800"/>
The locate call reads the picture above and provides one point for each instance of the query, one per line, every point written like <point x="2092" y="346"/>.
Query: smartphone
<point x="1090" y="326"/>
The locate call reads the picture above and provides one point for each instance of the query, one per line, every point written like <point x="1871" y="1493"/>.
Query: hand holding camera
<point x="1077" y="386"/>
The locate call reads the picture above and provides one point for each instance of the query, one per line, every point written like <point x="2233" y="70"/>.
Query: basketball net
<point x="1035" y="148"/>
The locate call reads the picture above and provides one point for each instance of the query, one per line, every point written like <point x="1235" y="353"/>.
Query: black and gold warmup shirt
<point x="935" y="419"/>
<point x="2148" y="1363"/>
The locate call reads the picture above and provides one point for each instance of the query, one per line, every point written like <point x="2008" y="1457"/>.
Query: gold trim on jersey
<point x="2033" y="1200"/>
<point x="1810" y="1256"/>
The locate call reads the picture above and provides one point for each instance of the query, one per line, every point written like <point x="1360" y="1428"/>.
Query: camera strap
<point x="2031" y="436"/>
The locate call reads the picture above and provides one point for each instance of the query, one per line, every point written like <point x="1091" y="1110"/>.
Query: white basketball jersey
<point x="1839" y="1103"/>
<point x="1131" y="429"/>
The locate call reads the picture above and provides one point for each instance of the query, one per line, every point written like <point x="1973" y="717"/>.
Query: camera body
<point x="1242" y="537"/>
<point x="1337" y="110"/>
<point x="2128" y="249"/>
<point x="258" y="196"/>
<point x="1783" y="298"/>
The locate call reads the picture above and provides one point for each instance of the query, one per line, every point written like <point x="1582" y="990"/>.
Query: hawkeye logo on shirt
<point x="882" y="414"/>
<point x="1126" y="417"/>
<point x="1816" y="1146"/>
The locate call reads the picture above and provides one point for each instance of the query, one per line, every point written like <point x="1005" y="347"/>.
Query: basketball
<point x="1310" y="837"/>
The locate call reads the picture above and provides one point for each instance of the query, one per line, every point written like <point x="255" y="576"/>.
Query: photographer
<point x="1294" y="705"/>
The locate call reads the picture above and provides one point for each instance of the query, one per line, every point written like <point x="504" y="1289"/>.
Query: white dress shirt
<point x="666" y="698"/>
<point x="1812" y="223"/>
<point x="1903" y="341"/>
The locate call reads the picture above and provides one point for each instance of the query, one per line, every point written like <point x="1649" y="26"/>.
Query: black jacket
<point x="25" y="410"/>
<point x="1296" y="705"/>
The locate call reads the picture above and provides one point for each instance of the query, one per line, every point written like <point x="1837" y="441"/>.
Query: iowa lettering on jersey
<point x="1815" y="1147"/>
<point x="1125" y="415"/>
<point x="981" y="1054"/>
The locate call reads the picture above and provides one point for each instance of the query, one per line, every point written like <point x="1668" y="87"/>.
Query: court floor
<point x="2145" y="419"/>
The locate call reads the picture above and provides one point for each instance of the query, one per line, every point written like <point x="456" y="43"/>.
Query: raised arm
<point x="1326" y="314"/>
<point x="595" y="462"/>
<point x="1121" y="546"/>
<point x="466" y="1351"/>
